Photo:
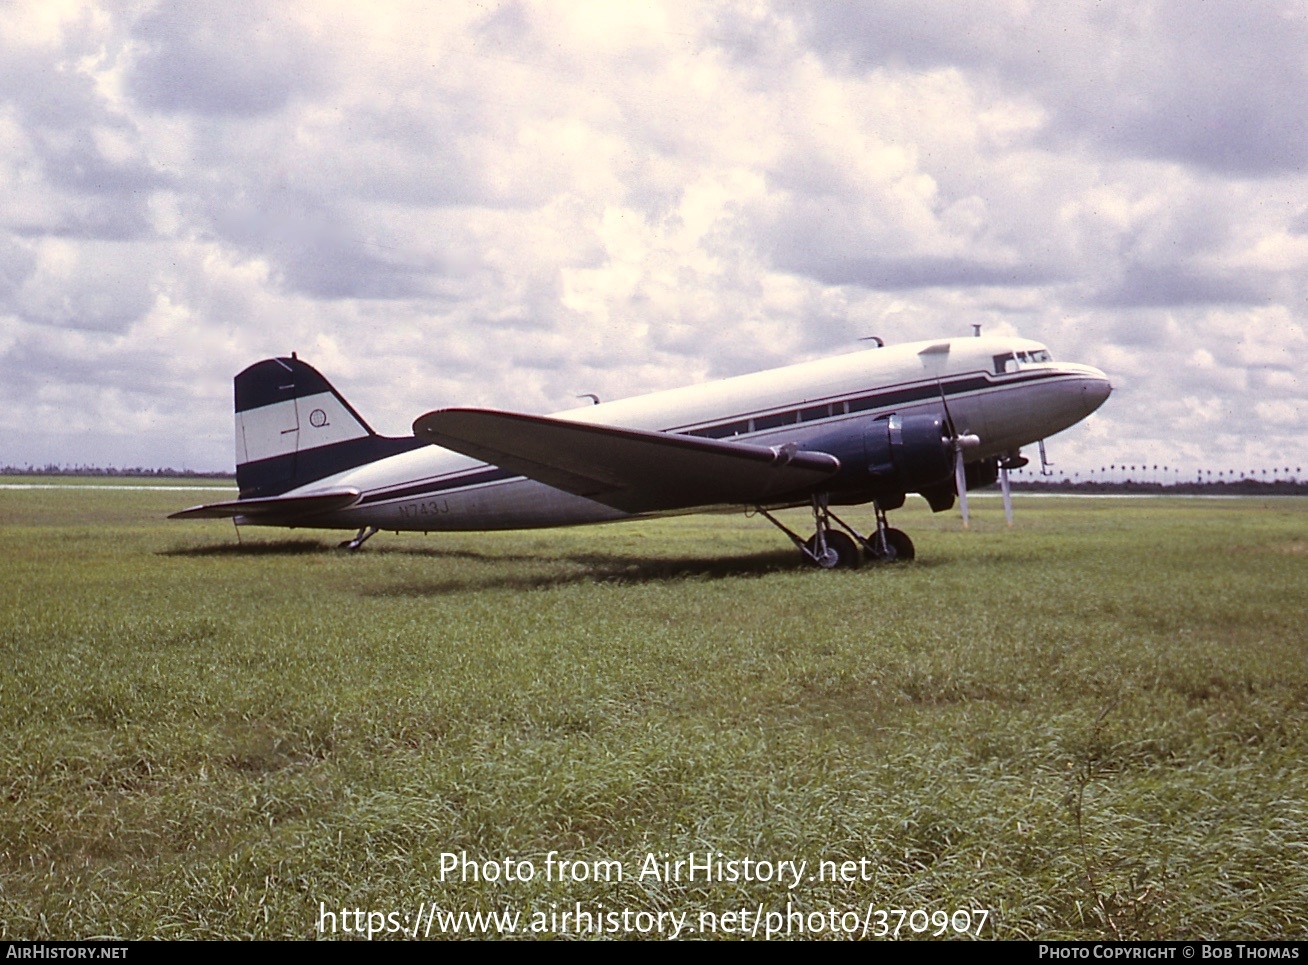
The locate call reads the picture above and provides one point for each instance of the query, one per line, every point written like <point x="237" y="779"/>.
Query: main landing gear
<point x="830" y="547"/>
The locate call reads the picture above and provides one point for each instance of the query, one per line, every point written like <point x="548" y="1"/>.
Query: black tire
<point x="899" y="545"/>
<point x="847" y="555"/>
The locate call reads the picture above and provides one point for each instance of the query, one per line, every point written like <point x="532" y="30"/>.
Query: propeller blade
<point x="1008" y="495"/>
<point x="960" y="482"/>
<point x="959" y="441"/>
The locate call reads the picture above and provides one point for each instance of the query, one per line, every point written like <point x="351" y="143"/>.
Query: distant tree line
<point x="1240" y="487"/>
<point x="1145" y="478"/>
<point x="52" y="469"/>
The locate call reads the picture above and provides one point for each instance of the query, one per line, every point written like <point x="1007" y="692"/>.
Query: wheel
<point x="842" y="552"/>
<point x="899" y="548"/>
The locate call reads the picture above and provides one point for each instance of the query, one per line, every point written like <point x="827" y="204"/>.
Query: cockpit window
<point x="1012" y="361"/>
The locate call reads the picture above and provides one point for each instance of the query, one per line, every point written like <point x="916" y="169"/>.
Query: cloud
<point x="901" y="274"/>
<point x="1173" y="285"/>
<point x="512" y="203"/>
<point x="223" y="58"/>
<point x="100" y="285"/>
<point x="1213" y="86"/>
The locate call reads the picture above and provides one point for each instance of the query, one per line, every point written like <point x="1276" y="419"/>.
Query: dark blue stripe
<point x="474" y="478"/>
<point x="277" y="380"/>
<point x="280" y="474"/>
<point x="881" y="399"/>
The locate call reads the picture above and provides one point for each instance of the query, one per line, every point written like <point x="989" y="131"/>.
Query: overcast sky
<point x="511" y="203"/>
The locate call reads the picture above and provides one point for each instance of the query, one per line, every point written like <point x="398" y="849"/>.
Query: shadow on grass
<point x="601" y="568"/>
<point x="505" y="571"/>
<point x="282" y="547"/>
<point x="589" y="568"/>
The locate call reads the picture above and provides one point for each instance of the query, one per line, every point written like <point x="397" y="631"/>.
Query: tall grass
<point x="1093" y="726"/>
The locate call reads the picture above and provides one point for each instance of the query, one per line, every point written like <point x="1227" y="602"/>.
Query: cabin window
<point x="722" y="431"/>
<point x="773" y="421"/>
<point x="813" y="413"/>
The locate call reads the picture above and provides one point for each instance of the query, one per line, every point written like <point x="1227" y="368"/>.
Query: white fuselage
<point x="999" y="389"/>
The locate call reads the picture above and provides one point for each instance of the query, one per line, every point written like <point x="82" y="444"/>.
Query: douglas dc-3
<point x="933" y="418"/>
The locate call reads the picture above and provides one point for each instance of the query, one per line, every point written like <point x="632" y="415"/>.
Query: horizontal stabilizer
<point x="270" y="509"/>
<point x="629" y="469"/>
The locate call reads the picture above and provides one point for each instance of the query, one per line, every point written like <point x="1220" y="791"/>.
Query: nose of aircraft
<point x="1095" y="389"/>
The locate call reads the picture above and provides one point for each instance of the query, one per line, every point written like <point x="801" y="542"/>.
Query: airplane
<point x="934" y="418"/>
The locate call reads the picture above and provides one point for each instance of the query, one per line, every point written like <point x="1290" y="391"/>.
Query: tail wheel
<point x="842" y="551"/>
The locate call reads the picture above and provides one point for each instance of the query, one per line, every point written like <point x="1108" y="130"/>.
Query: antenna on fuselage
<point x="594" y="399"/>
<point x="976" y="329"/>
<point x="873" y="338"/>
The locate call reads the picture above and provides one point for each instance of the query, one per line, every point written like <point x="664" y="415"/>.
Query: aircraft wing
<point x="629" y="469"/>
<point x="274" y="509"/>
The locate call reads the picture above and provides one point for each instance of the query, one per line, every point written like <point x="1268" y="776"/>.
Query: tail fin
<point x="293" y="428"/>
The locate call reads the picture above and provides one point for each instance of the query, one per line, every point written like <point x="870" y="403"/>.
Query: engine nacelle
<point x="909" y="453"/>
<point x="891" y="457"/>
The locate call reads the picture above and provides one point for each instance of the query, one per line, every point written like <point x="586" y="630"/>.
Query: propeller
<point x="959" y="441"/>
<point x="1008" y="495"/>
<point x="1013" y="460"/>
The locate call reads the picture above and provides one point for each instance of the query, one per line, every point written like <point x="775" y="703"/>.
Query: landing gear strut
<point x="361" y="537"/>
<point x="888" y="545"/>
<point x="829" y="547"/>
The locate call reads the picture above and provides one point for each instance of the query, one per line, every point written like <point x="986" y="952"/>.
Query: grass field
<point x="1092" y="726"/>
